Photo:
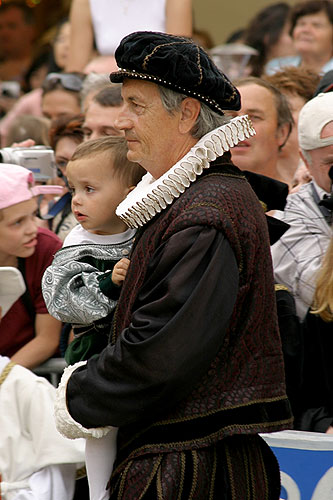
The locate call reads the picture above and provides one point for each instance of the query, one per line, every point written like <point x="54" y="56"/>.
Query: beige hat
<point x="313" y="117"/>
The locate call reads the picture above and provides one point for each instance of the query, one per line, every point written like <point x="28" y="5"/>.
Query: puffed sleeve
<point x="177" y="327"/>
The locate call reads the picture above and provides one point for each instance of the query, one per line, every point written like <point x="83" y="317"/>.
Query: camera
<point x="10" y="89"/>
<point x="38" y="159"/>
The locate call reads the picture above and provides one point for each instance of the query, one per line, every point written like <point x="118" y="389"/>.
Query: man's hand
<point x="119" y="271"/>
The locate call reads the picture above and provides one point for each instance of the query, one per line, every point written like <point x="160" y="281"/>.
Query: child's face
<point x="18" y="230"/>
<point x="96" y="193"/>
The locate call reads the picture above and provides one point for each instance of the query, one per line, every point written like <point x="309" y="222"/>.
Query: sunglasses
<point x="68" y="81"/>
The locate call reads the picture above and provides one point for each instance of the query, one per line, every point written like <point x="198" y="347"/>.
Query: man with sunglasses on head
<point x="61" y="94"/>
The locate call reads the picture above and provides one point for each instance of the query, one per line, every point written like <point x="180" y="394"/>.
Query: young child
<point x="81" y="286"/>
<point x="28" y="334"/>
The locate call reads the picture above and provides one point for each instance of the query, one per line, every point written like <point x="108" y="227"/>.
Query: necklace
<point x="151" y="196"/>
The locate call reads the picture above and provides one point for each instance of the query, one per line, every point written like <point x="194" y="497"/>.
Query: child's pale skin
<point x="119" y="271"/>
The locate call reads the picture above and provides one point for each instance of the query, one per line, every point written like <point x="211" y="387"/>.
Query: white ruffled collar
<point x="151" y="196"/>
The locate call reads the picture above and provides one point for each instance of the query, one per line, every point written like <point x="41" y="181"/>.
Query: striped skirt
<point x="240" y="467"/>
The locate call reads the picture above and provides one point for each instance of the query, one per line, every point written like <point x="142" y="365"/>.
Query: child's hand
<point x="119" y="271"/>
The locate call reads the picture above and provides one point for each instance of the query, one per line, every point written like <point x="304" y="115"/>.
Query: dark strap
<point x="58" y="206"/>
<point x="326" y="213"/>
<point x="26" y="297"/>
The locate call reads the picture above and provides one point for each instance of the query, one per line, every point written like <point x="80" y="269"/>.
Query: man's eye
<point x="254" y="118"/>
<point x="137" y="107"/>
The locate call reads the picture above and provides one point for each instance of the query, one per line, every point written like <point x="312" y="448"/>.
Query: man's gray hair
<point x="207" y="120"/>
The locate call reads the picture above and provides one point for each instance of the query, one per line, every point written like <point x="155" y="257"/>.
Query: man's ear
<point x="283" y="133"/>
<point x="129" y="189"/>
<point x="190" y="109"/>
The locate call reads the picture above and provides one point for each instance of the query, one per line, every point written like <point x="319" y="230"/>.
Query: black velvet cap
<point x="176" y="63"/>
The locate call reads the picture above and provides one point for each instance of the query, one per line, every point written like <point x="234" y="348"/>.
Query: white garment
<point x="36" y="462"/>
<point x="298" y="254"/>
<point x="100" y="457"/>
<point x="114" y="19"/>
<point x="78" y="235"/>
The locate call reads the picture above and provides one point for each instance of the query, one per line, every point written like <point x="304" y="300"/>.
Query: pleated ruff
<point x="241" y="467"/>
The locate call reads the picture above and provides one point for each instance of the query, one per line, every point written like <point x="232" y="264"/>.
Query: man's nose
<point x="123" y="121"/>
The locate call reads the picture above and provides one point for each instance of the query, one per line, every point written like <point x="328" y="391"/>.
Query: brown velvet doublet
<point x="243" y="392"/>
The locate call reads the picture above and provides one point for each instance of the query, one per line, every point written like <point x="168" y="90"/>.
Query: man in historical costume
<point x="194" y="368"/>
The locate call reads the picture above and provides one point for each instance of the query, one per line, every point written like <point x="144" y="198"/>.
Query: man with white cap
<point x="298" y="253"/>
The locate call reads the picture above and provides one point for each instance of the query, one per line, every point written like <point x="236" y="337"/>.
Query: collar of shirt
<point x="320" y="191"/>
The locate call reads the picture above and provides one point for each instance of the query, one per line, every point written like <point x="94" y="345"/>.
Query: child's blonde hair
<point x="116" y="147"/>
<point x="323" y="298"/>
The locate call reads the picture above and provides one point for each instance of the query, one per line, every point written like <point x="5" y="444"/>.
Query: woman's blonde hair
<point x="323" y="298"/>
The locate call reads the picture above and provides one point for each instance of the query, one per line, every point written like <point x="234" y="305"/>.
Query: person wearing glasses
<point x="66" y="134"/>
<point x="61" y="94"/>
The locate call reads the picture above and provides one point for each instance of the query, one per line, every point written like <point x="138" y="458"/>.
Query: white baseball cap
<point x="313" y="117"/>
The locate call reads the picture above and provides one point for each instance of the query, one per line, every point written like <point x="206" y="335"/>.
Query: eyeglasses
<point x="69" y="81"/>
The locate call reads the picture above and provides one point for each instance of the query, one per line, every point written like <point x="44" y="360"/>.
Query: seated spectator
<point x="28" y="334"/>
<point x="93" y="83"/>
<point x="271" y="117"/>
<point x="60" y="45"/>
<point x="29" y="127"/>
<point x="36" y="462"/>
<point x="17" y="33"/>
<point x="316" y="397"/>
<point x="30" y="103"/>
<point x="268" y="33"/>
<point x="37" y="71"/>
<point x="102" y="113"/>
<point x="65" y="135"/>
<point x="312" y="34"/>
<point x="298" y="85"/>
<point x="61" y="94"/>
<point x="298" y="254"/>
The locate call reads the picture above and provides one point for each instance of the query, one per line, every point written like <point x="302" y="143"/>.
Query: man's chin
<point x="133" y="156"/>
<point x="241" y="162"/>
